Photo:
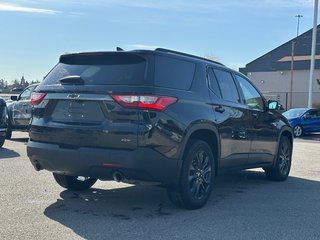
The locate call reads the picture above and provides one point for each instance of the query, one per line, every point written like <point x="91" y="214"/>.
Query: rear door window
<point x="228" y="88"/>
<point x="101" y="69"/>
<point x="173" y="73"/>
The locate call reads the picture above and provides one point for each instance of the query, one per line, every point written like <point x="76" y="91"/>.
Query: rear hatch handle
<point x="71" y="80"/>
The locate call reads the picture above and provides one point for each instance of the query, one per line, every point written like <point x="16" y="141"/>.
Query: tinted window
<point x="227" y="86"/>
<point x="105" y="69"/>
<point x="311" y="114"/>
<point x="251" y="96"/>
<point x="213" y="84"/>
<point x="173" y="73"/>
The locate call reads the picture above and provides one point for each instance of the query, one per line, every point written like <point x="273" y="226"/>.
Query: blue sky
<point x="33" y="33"/>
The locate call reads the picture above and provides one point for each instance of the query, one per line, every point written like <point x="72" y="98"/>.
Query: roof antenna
<point x="119" y="49"/>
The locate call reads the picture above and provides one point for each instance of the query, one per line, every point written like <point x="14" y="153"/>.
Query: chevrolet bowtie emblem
<point x="73" y="96"/>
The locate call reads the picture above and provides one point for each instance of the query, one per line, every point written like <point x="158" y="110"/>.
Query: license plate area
<point x="78" y="111"/>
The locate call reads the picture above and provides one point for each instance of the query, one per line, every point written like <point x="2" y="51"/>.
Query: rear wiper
<point x="71" y="80"/>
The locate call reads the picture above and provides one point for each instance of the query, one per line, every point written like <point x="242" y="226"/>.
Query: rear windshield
<point x="100" y="69"/>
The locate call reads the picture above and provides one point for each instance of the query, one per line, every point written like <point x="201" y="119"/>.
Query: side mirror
<point x="14" y="98"/>
<point x="273" y="105"/>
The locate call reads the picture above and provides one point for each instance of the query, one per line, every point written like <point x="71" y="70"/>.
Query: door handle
<point x="219" y="109"/>
<point x="255" y="115"/>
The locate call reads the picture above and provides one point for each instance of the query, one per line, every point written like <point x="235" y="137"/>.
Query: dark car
<point x="158" y="116"/>
<point x="3" y="121"/>
<point x="19" y="110"/>
<point x="303" y="120"/>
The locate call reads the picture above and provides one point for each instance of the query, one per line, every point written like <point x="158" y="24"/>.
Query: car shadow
<point x="97" y="213"/>
<point x="8" y="153"/>
<point x="313" y="137"/>
<point x="24" y="139"/>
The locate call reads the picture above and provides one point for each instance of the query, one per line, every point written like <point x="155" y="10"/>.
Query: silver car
<point x="19" y="110"/>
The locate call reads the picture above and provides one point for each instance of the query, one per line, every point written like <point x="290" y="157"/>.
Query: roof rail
<point x="186" y="54"/>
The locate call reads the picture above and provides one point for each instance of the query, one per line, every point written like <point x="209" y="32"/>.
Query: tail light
<point x="36" y="98"/>
<point x="144" y="101"/>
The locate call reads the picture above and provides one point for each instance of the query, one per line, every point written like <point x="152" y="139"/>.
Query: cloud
<point x="142" y="46"/>
<point x="202" y="5"/>
<point x="8" y="7"/>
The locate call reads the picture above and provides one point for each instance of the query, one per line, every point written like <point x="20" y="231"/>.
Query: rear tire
<point x="73" y="183"/>
<point x="197" y="176"/>
<point x="281" y="168"/>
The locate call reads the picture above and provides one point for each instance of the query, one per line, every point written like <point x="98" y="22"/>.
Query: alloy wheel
<point x="297" y="131"/>
<point x="284" y="158"/>
<point x="199" y="178"/>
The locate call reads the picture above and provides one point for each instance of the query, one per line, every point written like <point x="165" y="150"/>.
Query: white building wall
<point x="278" y="84"/>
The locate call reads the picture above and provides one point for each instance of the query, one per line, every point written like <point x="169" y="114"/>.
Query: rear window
<point x="173" y="73"/>
<point x="100" y="69"/>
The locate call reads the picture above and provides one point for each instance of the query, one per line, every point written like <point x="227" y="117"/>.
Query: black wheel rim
<point x="284" y="158"/>
<point x="199" y="177"/>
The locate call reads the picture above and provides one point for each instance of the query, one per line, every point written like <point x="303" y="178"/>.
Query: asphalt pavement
<point x="243" y="205"/>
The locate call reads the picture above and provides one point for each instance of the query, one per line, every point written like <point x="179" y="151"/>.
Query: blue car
<point x="303" y="120"/>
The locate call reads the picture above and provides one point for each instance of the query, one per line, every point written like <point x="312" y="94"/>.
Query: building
<point x="271" y="73"/>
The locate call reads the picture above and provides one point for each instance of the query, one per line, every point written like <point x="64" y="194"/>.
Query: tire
<point x="2" y="140"/>
<point x="73" y="183"/>
<point x="197" y="177"/>
<point x="9" y="132"/>
<point x="281" y="168"/>
<point x="298" y="131"/>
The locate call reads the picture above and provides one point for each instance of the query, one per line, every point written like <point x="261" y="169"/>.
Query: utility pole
<point x="313" y="51"/>
<point x="292" y="61"/>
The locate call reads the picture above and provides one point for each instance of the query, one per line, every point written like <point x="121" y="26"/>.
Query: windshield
<point x="294" y="113"/>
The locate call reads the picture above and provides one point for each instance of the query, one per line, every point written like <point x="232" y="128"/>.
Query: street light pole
<point x="298" y="16"/>
<point x="313" y="51"/>
<point x="292" y="61"/>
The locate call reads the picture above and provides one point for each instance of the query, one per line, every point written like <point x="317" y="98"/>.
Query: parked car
<point x="19" y="110"/>
<point x="3" y="121"/>
<point x="303" y="120"/>
<point x="159" y="116"/>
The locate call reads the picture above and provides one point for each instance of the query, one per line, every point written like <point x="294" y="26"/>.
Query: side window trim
<point x="208" y="69"/>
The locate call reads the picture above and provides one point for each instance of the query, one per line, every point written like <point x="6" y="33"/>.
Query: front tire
<point x="74" y="182"/>
<point x="197" y="176"/>
<point x="281" y="169"/>
<point x="297" y="131"/>
<point x="2" y="140"/>
<point x="9" y="132"/>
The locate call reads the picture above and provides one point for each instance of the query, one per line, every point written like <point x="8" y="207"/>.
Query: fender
<point x="193" y="127"/>
<point x="284" y="129"/>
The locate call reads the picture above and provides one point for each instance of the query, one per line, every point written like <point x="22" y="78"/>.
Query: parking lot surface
<point x="243" y="205"/>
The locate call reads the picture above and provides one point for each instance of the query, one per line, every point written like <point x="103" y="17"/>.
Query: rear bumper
<point x="142" y="164"/>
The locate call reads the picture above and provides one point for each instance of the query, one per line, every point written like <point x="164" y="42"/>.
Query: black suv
<point x="3" y="121"/>
<point x="158" y="116"/>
